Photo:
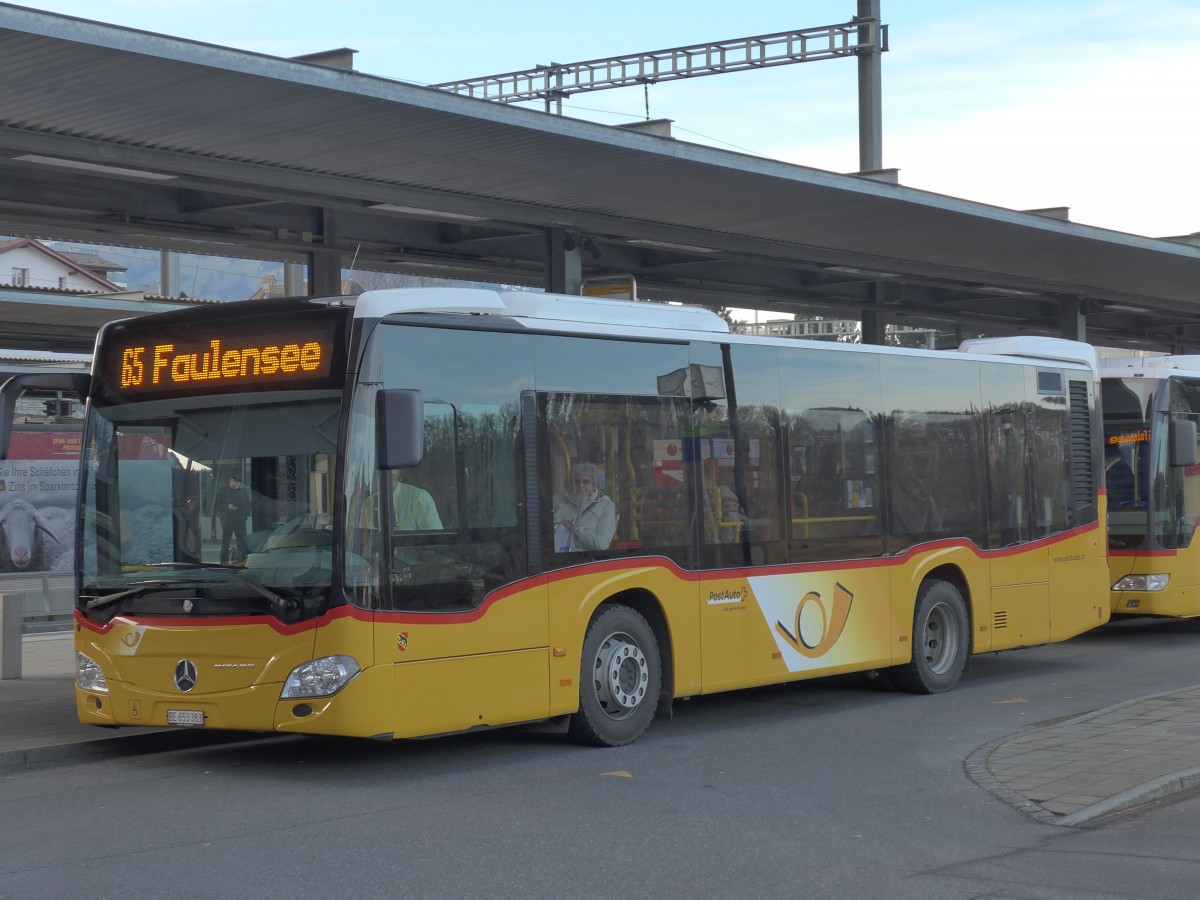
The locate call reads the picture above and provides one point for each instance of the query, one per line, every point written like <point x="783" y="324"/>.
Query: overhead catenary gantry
<point x="865" y="38"/>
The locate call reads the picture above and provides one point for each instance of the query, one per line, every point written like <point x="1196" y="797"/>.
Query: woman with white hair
<point x="585" y="518"/>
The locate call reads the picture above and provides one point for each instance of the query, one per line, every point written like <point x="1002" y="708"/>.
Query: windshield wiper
<point x="285" y="608"/>
<point x="106" y="599"/>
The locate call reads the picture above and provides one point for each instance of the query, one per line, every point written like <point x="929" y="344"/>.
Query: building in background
<point x="28" y="263"/>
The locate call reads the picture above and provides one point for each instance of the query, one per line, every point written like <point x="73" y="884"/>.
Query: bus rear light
<point x="89" y="676"/>
<point x="1142" y="583"/>
<point x="322" y="677"/>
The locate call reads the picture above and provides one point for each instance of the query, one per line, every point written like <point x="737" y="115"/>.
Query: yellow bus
<point x="1151" y="409"/>
<point x="424" y="512"/>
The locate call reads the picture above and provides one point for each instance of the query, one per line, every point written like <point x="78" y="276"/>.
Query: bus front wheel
<point x="940" y="641"/>
<point x="620" y="679"/>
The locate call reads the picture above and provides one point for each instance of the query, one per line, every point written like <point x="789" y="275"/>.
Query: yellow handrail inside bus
<point x="718" y="506"/>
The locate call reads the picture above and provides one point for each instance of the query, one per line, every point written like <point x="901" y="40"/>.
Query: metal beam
<point x="558" y="80"/>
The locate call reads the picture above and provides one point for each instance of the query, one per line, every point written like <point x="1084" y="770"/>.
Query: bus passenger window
<point x="612" y="474"/>
<point x="585" y="518"/>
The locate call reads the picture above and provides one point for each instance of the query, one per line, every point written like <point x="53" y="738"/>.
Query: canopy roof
<point x="111" y="135"/>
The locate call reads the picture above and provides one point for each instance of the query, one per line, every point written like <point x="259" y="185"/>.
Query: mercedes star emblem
<point x="185" y="675"/>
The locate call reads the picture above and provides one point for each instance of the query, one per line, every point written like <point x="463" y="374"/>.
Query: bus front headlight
<point x="88" y="674"/>
<point x="322" y="677"/>
<point x="1142" y="583"/>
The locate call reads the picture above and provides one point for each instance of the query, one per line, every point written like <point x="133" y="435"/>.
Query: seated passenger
<point x="414" y="509"/>
<point x="585" y="518"/>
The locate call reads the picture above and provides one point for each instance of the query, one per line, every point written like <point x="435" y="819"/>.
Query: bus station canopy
<point x="117" y="136"/>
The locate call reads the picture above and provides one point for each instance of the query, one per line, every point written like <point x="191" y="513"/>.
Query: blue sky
<point x="1089" y="105"/>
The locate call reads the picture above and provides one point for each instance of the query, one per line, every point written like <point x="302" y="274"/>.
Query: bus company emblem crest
<point x="816" y="628"/>
<point x="185" y="675"/>
<point x="402" y="641"/>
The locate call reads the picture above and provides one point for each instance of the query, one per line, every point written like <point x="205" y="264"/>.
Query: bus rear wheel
<point x="620" y="679"/>
<point x="940" y="639"/>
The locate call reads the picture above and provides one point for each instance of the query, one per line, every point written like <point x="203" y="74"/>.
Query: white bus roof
<point x="630" y="317"/>
<point x="536" y="305"/>
<point x="1154" y="366"/>
<point x="1034" y="347"/>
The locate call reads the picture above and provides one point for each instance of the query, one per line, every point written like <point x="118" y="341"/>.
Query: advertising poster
<point x="38" y="483"/>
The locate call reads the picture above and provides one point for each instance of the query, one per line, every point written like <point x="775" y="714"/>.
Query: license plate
<point x="189" y="717"/>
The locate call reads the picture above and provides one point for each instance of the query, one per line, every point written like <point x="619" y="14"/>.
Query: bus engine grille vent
<point x="1000" y="619"/>
<point x="1083" y="487"/>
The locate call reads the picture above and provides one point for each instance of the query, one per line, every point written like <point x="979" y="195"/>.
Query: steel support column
<point x="293" y="279"/>
<point x="872" y="320"/>
<point x="168" y="274"/>
<point x="564" y="271"/>
<point x="874" y="327"/>
<point x="870" y="87"/>
<point x="1074" y="319"/>
<point x="325" y="265"/>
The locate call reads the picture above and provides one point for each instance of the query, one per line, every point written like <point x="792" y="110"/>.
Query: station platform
<point x="38" y="724"/>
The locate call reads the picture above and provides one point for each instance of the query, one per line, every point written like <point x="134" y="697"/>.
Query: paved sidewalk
<point x="1090" y="766"/>
<point x="37" y="711"/>
<point x="1067" y="773"/>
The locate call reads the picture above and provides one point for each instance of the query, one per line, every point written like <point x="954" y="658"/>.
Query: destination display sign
<point x="219" y="355"/>
<point x="1142" y="436"/>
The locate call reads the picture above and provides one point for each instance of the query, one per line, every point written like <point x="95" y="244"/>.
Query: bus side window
<point x="425" y="497"/>
<point x="613" y="473"/>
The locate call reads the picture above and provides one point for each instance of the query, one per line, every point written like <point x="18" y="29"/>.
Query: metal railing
<point x="48" y="599"/>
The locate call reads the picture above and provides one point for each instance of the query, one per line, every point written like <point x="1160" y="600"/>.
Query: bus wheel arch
<point x="624" y="666"/>
<point x="941" y="634"/>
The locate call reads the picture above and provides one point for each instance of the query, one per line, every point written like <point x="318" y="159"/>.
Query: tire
<point x="619" y="680"/>
<point x="940" y="641"/>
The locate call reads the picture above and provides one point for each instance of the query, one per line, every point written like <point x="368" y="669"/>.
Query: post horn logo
<point x="817" y="629"/>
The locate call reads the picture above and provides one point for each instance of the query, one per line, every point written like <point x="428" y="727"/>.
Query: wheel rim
<point x="940" y="639"/>
<point x="620" y="676"/>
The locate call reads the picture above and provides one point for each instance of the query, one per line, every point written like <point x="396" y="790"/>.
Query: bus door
<point x="459" y="621"/>
<point x="1017" y="513"/>
<point x="790" y="469"/>
<point x="1174" y="508"/>
<point x="1066" y="471"/>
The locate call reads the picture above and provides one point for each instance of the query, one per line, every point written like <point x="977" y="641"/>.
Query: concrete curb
<point x="134" y="743"/>
<point x="1150" y="792"/>
<point x="976" y="768"/>
<point x="1159" y="788"/>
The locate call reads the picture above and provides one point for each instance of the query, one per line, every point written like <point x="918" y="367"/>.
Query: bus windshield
<point x="228" y="498"/>
<point x="1127" y="459"/>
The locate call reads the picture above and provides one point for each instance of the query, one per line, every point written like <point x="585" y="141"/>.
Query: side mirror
<point x="76" y="383"/>
<point x="399" y="429"/>
<point x="1183" y="442"/>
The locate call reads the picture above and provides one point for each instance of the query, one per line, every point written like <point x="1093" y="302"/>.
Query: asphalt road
<point x="819" y="789"/>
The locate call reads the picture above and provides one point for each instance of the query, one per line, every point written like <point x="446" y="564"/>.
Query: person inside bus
<point x="585" y="518"/>
<point x="1118" y="477"/>
<point x="233" y="508"/>
<point x="413" y="508"/>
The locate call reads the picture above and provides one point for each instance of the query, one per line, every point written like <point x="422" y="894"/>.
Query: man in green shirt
<point x="414" y="509"/>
